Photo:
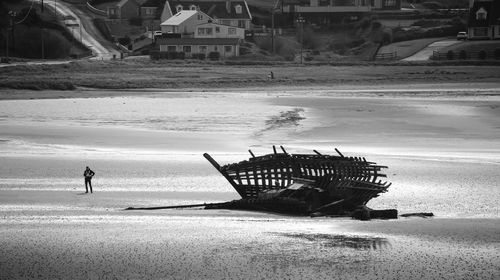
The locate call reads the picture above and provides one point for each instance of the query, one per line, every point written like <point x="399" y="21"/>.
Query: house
<point x="330" y="11"/>
<point x="124" y="9"/>
<point x="184" y="22"/>
<point x="191" y="47"/>
<point x="215" y="30"/>
<point x="386" y="4"/>
<point x="149" y="9"/>
<point x="227" y="12"/>
<point x="484" y="20"/>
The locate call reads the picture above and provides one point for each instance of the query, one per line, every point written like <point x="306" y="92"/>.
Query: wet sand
<point x="441" y="146"/>
<point x="94" y="241"/>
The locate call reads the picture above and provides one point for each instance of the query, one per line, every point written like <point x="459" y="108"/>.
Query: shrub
<point x="200" y="56"/>
<point x="497" y="54"/>
<point x="214" y="55"/>
<point x="482" y="55"/>
<point x="449" y="55"/>
<point x="376" y="25"/>
<point x="462" y="54"/>
<point x="180" y="55"/>
<point x="124" y="40"/>
<point x="364" y="23"/>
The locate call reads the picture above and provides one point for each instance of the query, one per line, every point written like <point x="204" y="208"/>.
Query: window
<point x="203" y="49"/>
<point x="228" y="49"/>
<point x="231" y="31"/>
<point x="149" y="11"/>
<point x="205" y="31"/>
<point x="241" y="23"/>
<point x="226" y="22"/>
<point x="186" y="49"/>
<point x="389" y="3"/>
<point x="200" y="17"/>
<point x="237" y="9"/>
<point x="111" y="11"/>
<point x="217" y="29"/>
<point x="216" y="48"/>
<point x="171" y="48"/>
<point x="178" y="8"/>
<point x="481" y="14"/>
<point x="192" y="8"/>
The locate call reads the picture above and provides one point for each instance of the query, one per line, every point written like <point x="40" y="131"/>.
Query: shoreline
<point x="460" y="89"/>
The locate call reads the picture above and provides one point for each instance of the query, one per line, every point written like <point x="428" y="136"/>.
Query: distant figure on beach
<point x="88" y="174"/>
<point x="271" y="75"/>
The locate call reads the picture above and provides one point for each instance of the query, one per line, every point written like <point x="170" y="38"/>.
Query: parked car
<point x="462" y="36"/>
<point x="157" y="33"/>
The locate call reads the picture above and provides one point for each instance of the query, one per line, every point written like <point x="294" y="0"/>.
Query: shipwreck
<point x="302" y="184"/>
<point x="305" y="184"/>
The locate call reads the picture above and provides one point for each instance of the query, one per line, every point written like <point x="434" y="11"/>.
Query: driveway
<point x="426" y="53"/>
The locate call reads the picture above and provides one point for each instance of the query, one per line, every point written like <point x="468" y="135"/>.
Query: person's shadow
<point x="81" y="193"/>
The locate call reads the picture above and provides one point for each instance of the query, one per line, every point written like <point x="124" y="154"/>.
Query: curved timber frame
<point x="353" y="179"/>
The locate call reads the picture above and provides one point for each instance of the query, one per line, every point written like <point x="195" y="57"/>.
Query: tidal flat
<point x="440" y="143"/>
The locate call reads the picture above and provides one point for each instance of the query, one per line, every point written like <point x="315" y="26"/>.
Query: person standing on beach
<point x="88" y="174"/>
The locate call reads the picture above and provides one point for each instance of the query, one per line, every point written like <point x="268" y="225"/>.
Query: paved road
<point x="81" y="26"/>
<point x="426" y="53"/>
<point x="78" y="21"/>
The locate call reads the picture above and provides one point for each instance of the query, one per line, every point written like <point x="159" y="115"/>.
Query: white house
<point x="184" y="22"/>
<point x="215" y="30"/>
<point x="226" y="47"/>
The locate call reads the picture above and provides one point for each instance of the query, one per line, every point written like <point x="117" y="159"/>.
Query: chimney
<point x="228" y="6"/>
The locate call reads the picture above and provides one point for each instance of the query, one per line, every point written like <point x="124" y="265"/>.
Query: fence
<point x="95" y="10"/>
<point x="466" y="55"/>
<point x="386" y="56"/>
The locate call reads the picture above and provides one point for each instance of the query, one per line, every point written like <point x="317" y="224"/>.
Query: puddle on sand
<point x="342" y="241"/>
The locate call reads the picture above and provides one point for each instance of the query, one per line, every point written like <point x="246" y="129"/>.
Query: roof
<point x="215" y="9"/>
<point x="152" y="3"/>
<point x="123" y="2"/>
<point x="179" y="18"/>
<point x="493" y="13"/>
<point x="219" y="24"/>
<point x="198" y="41"/>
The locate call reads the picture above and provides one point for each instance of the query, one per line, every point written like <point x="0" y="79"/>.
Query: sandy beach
<point x="439" y="140"/>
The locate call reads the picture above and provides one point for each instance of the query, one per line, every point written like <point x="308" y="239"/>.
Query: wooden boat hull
<point x="339" y="182"/>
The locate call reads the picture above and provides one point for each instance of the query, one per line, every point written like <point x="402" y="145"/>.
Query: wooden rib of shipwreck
<point x="305" y="184"/>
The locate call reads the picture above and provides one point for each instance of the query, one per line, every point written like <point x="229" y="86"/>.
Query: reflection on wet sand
<point x="342" y="241"/>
